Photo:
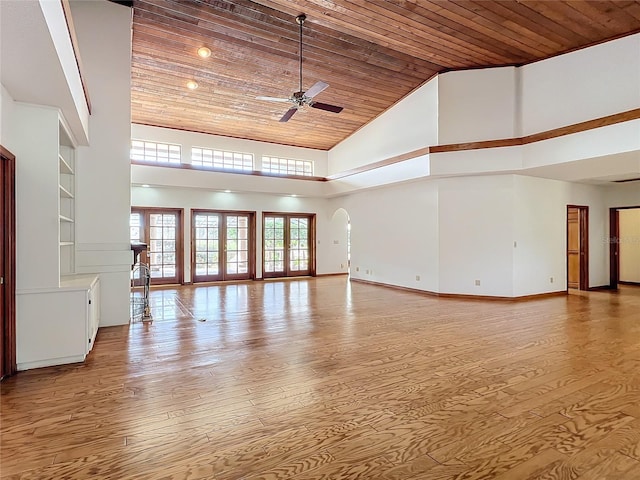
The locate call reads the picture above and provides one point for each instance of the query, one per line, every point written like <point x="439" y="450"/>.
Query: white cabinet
<point x="58" y="325"/>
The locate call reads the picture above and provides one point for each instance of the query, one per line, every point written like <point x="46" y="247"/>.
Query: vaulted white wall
<point x="410" y="124"/>
<point x="508" y="102"/>
<point x="476" y="105"/>
<point x="582" y="85"/>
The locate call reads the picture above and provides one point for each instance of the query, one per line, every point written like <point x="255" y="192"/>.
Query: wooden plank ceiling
<point x="371" y="52"/>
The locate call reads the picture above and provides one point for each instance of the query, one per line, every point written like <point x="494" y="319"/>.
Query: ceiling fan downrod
<point x="300" y="20"/>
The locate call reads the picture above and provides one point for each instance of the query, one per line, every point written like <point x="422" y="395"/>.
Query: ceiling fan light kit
<point x="301" y="98"/>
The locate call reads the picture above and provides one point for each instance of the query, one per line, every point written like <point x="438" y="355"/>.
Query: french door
<point x="161" y="230"/>
<point x="288" y="241"/>
<point x="222" y="245"/>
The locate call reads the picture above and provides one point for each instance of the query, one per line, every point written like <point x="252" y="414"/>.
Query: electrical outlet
<point x="336" y="242"/>
<point x="550" y="279"/>
<point x="357" y="269"/>
<point x="477" y="283"/>
<point x="367" y="271"/>
<point x="417" y="278"/>
<point x="341" y="265"/>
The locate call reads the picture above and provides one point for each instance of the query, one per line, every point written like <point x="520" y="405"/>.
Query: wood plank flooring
<point x="327" y="379"/>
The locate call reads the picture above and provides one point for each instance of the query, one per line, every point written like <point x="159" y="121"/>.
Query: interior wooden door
<point x="577" y="247"/>
<point x="7" y="264"/>
<point x="2" y="270"/>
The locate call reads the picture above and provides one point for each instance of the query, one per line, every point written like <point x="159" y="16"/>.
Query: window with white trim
<point x="206" y="157"/>
<point x="287" y="166"/>
<point x="155" y="152"/>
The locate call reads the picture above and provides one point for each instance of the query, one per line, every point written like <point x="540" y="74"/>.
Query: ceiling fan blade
<point x="316" y="89"/>
<point x="274" y="99"/>
<point x="326" y="107"/>
<point x="289" y="114"/>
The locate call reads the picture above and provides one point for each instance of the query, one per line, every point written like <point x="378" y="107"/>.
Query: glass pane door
<point x="288" y="245"/>
<point x="136" y="234"/>
<point x="161" y="230"/>
<point x="162" y="246"/>
<point x="237" y="246"/>
<point x="207" y="247"/>
<point x="222" y="246"/>
<point x="274" y="242"/>
<point x="299" y="245"/>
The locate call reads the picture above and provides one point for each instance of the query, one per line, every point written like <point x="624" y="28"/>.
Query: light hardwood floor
<point x="326" y="379"/>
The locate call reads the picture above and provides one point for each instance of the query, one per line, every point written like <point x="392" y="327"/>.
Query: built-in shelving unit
<point x="57" y="307"/>
<point x="66" y="188"/>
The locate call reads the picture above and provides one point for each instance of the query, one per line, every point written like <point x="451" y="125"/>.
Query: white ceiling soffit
<point x="30" y="67"/>
<point x="599" y="170"/>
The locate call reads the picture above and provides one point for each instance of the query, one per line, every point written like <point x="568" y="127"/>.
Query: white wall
<point x="540" y="227"/>
<point x="103" y="168"/>
<point x="394" y="234"/>
<point x="409" y="125"/>
<point x="630" y="245"/>
<point x="327" y="260"/>
<point x="623" y="195"/>
<point x="569" y="88"/>
<point x="476" y="235"/>
<point x="37" y="194"/>
<point x="214" y="180"/>
<point x="476" y="105"/>
<point x="192" y="139"/>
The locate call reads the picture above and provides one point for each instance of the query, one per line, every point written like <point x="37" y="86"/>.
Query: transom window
<point x="155" y="152"/>
<point x="287" y="166"/>
<point x="220" y="159"/>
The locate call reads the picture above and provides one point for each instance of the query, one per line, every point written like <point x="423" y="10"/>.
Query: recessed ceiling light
<point x="204" y="52"/>
<point x="192" y="84"/>
<point x="145" y="186"/>
<point x="294" y="195"/>
<point x="227" y="191"/>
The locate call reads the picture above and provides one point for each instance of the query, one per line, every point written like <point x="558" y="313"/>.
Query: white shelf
<point x="64" y="166"/>
<point x="66" y="219"/>
<point x="65" y="193"/>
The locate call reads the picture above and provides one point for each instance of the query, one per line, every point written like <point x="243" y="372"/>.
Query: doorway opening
<point x="578" y="247"/>
<point x="624" y="246"/>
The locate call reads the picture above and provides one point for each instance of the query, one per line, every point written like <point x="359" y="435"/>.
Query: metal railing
<point x="140" y="282"/>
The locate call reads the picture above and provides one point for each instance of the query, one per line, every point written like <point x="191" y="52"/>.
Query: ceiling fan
<point x="300" y="98"/>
